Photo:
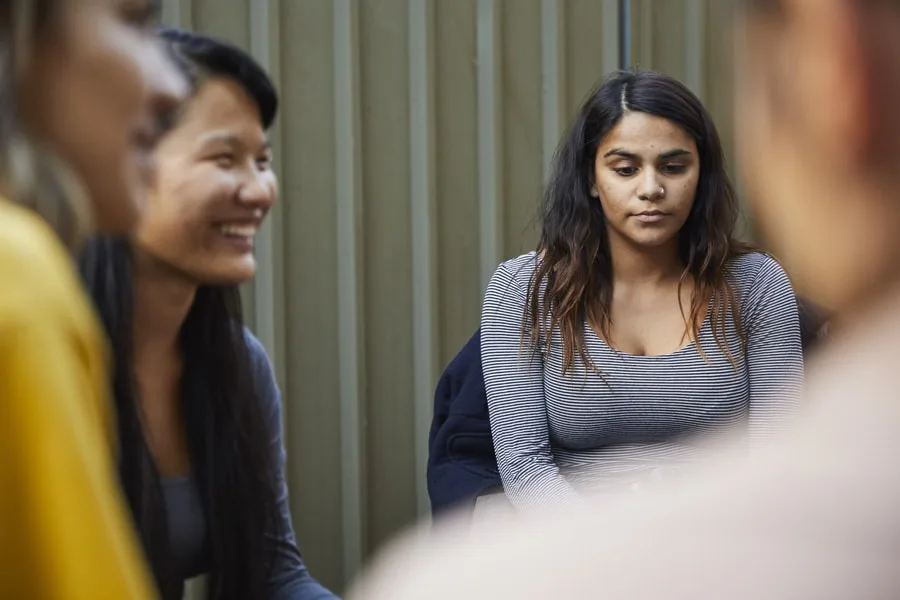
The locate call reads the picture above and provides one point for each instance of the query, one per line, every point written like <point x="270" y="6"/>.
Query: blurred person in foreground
<point x="816" y="515"/>
<point x="82" y="87"/>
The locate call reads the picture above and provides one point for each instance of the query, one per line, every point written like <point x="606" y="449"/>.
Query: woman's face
<point x="214" y="187"/>
<point x="646" y="172"/>
<point x="94" y="94"/>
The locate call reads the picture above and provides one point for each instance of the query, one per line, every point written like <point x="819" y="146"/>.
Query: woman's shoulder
<point x="747" y="265"/>
<point x="511" y="281"/>
<point x="752" y="268"/>
<point x="42" y="300"/>
<point x="36" y="272"/>
<point x="259" y="358"/>
<point x="519" y="269"/>
<point x="756" y="275"/>
<point x="264" y="376"/>
<point x="30" y="255"/>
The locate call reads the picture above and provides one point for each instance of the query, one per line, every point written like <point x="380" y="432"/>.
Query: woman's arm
<point x="290" y="579"/>
<point x="514" y="379"/>
<point x="774" y="350"/>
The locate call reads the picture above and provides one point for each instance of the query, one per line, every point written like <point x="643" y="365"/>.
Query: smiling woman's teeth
<point x="239" y="230"/>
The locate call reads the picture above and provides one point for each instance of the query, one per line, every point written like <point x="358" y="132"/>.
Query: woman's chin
<point x="229" y="272"/>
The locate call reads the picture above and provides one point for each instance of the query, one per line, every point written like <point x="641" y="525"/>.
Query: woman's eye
<point x="143" y="15"/>
<point x="626" y="171"/>
<point x="225" y="161"/>
<point x="264" y="163"/>
<point x="674" y="169"/>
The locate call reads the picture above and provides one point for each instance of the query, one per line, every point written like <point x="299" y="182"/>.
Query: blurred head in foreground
<point x="818" y="85"/>
<point x="83" y="88"/>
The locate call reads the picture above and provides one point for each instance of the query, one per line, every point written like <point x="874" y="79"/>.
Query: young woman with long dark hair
<point x="202" y="462"/>
<point x="640" y="321"/>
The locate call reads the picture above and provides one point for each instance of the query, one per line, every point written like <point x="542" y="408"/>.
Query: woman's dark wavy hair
<point x="227" y="433"/>
<point x="573" y="282"/>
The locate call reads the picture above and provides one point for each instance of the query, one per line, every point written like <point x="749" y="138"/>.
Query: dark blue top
<point x="461" y="460"/>
<point x="187" y="524"/>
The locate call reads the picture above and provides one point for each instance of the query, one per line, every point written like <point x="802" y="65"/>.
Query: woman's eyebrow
<point x="674" y="153"/>
<point x="664" y="156"/>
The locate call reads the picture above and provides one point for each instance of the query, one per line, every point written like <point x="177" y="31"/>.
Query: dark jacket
<point x="461" y="460"/>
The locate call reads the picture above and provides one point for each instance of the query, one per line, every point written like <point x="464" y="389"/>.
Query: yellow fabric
<point x="64" y="529"/>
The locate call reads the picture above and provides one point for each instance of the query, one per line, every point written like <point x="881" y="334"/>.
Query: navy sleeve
<point x="290" y="579"/>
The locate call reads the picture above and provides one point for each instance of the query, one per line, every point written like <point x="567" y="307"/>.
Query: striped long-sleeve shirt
<point x="555" y="434"/>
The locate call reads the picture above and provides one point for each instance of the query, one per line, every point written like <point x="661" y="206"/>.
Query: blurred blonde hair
<point x="34" y="177"/>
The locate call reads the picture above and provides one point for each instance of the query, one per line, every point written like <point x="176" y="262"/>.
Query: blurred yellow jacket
<point x="65" y="532"/>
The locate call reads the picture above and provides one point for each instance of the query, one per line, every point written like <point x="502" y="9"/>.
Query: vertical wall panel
<point x="220" y="18"/>
<point x="553" y="79"/>
<point x="643" y="36"/>
<point x="178" y="13"/>
<point x="490" y="124"/>
<point x="589" y="57"/>
<point x="522" y="164"/>
<point x="460" y="194"/>
<point x="308" y="198"/>
<point x="413" y="143"/>
<point x="351" y="268"/>
<point x="695" y="45"/>
<point x="384" y="69"/>
<point x="423" y="232"/>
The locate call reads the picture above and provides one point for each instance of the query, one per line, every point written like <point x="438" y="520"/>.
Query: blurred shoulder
<point x="259" y="358"/>
<point x="37" y="274"/>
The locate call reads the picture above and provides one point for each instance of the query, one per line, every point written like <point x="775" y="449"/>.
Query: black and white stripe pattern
<point x="556" y="434"/>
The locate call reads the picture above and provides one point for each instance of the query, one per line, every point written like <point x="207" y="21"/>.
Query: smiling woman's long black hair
<point x="228" y="437"/>
<point x="573" y="282"/>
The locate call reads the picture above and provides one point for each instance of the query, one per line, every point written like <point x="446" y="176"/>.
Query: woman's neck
<point x="162" y="300"/>
<point x="634" y="265"/>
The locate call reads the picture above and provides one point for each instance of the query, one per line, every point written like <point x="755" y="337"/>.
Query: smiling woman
<point x="644" y="322"/>
<point x="216" y="185"/>
<point x="202" y="462"/>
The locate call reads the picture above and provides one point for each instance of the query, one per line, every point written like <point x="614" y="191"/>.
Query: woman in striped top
<point x="640" y="322"/>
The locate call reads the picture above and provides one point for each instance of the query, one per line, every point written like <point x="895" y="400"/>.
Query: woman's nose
<point x="258" y="190"/>
<point x="650" y="189"/>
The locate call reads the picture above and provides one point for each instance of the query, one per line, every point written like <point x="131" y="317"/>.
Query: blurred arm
<point x="66" y="533"/>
